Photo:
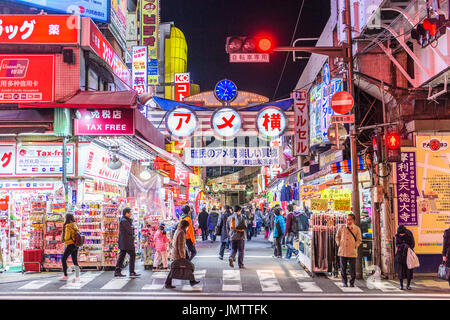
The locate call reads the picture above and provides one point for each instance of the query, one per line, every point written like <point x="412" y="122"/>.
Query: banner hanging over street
<point x="213" y="157"/>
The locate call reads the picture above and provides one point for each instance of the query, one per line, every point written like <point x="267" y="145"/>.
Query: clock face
<point x="225" y="90"/>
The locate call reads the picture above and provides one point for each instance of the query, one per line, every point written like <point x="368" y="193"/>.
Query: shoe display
<point x="231" y="262"/>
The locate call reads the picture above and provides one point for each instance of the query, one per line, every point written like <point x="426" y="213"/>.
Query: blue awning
<point x="284" y="105"/>
<point x="166" y="104"/>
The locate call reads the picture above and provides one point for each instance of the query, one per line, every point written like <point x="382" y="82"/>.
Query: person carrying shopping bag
<point x="161" y="243"/>
<point x="70" y="228"/>
<point x="404" y="240"/>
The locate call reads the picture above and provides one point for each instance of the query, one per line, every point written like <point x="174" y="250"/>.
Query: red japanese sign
<point x="301" y="145"/>
<point x="341" y="102"/>
<point x="105" y="51"/>
<point x="7" y="158"/>
<point x="182" y="87"/>
<point x="105" y="122"/>
<point x="25" y="78"/>
<point x="51" y="29"/>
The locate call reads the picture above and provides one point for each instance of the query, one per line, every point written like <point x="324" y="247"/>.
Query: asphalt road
<point x="264" y="278"/>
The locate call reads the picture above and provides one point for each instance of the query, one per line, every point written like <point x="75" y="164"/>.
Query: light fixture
<point x="114" y="162"/>
<point x="78" y="115"/>
<point x="145" y="175"/>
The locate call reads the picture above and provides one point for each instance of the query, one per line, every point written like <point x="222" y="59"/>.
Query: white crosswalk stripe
<point x="231" y="280"/>
<point x="384" y="286"/>
<point x="340" y="285"/>
<point x="268" y="281"/>
<point x="35" y="284"/>
<point x="199" y="276"/>
<point x="116" y="284"/>
<point x="305" y="281"/>
<point x="84" y="280"/>
<point x="158" y="279"/>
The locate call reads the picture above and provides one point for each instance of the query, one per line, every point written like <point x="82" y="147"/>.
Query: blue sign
<point x="326" y="74"/>
<point x="98" y="10"/>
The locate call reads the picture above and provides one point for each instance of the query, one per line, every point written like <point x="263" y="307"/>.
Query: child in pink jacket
<point x="160" y="241"/>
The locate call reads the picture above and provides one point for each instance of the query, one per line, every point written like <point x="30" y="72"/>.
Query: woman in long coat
<point x="404" y="240"/>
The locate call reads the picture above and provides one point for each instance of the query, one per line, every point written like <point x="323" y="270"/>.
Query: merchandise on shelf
<point x="53" y="246"/>
<point x="111" y="215"/>
<point x="89" y="220"/>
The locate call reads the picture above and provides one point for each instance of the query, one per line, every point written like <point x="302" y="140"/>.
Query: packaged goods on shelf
<point x="53" y="244"/>
<point x="110" y="227"/>
<point x="89" y="221"/>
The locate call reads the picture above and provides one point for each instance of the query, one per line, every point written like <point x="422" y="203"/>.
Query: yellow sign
<point x="194" y="180"/>
<point x="309" y="192"/>
<point x="334" y="194"/>
<point x="342" y="205"/>
<point x="433" y="186"/>
<point x="319" y="204"/>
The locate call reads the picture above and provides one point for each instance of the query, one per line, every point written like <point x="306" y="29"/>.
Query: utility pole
<point x="353" y="149"/>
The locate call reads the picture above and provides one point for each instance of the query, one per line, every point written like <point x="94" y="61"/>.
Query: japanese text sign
<point x="271" y="122"/>
<point x="249" y="57"/>
<point x="226" y="122"/>
<point x="301" y="142"/>
<point x="182" y="177"/>
<point x="212" y="157"/>
<point x="43" y="159"/>
<point x="182" y="86"/>
<point x="25" y="78"/>
<point x="105" y="51"/>
<point x="105" y="122"/>
<point x="149" y="36"/>
<point x="407" y="189"/>
<point x="7" y="158"/>
<point x="319" y="204"/>
<point x="93" y="162"/>
<point x="98" y="10"/>
<point x="181" y="122"/>
<point x="51" y="29"/>
<point x="139" y="54"/>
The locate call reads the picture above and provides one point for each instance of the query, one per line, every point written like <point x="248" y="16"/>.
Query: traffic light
<point x="429" y="30"/>
<point x="377" y="145"/>
<point x="249" y="49"/>
<point x="393" y="147"/>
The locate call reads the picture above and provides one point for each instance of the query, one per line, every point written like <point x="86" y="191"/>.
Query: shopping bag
<point x="411" y="260"/>
<point x="271" y="237"/>
<point x="443" y="272"/>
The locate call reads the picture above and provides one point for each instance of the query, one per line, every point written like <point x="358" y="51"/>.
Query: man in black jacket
<point x="126" y="244"/>
<point x="202" y="223"/>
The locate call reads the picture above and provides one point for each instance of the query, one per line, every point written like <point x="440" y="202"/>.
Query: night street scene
<point x="224" y="151"/>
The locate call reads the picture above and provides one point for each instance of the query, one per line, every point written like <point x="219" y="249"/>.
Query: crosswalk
<point x="227" y="281"/>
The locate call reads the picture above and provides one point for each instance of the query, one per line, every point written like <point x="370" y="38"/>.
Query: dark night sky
<point x="207" y="23"/>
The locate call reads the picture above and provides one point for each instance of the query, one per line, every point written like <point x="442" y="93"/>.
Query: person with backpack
<point x="221" y="229"/>
<point x="348" y="238"/>
<point x="126" y="244"/>
<point x="279" y="227"/>
<point x="291" y="232"/>
<point x="212" y="223"/>
<point x="70" y="230"/>
<point x="160" y="240"/>
<point x="237" y="225"/>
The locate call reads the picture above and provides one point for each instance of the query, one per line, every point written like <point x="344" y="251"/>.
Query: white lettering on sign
<point x="301" y="123"/>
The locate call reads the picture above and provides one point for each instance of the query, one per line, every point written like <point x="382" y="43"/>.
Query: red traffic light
<point x="264" y="44"/>
<point x="393" y="141"/>
<point x="430" y="25"/>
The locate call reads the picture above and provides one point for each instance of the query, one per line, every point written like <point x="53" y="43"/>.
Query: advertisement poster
<point x="7" y="158"/>
<point x="98" y="10"/>
<point x="182" y="87"/>
<point x="433" y="186"/>
<point x="319" y="204"/>
<point x="212" y="157"/>
<point x="43" y="159"/>
<point x="149" y="36"/>
<point x="119" y="18"/>
<point x="93" y="162"/>
<point x="407" y="189"/>
<point x="27" y="78"/>
<point x="105" y="122"/>
<point x="139" y="71"/>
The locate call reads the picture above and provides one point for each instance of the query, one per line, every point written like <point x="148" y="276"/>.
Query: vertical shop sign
<point x="27" y="78"/>
<point x="7" y="159"/>
<point x="139" y="71"/>
<point x="407" y="189"/>
<point x="301" y="142"/>
<point x="149" y="36"/>
<point x="182" y="88"/>
<point x="118" y="17"/>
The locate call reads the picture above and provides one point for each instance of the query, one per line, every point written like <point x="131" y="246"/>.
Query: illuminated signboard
<point x="181" y="122"/>
<point x="149" y="36"/>
<point x="271" y="122"/>
<point x="226" y="122"/>
<point x="97" y="10"/>
<point x="139" y="71"/>
<point x="320" y="110"/>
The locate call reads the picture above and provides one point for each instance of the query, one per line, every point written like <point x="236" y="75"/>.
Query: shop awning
<point x="91" y="99"/>
<point x="166" y="104"/>
<point x="346" y="166"/>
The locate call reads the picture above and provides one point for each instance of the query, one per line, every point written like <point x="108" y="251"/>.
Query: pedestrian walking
<point x="259" y="221"/>
<point x="446" y="249"/>
<point x="190" y="236"/>
<point x="278" y="232"/>
<point x="161" y="245"/>
<point x="266" y="225"/>
<point x="180" y="268"/>
<point x="202" y="223"/>
<point x="291" y="232"/>
<point x="348" y="238"/>
<point x="68" y="236"/>
<point x="237" y="225"/>
<point x="250" y="218"/>
<point x="404" y="240"/>
<point x="126" y="244"/>
<point x="213" y="218"/>
<point x="222" y="229"/>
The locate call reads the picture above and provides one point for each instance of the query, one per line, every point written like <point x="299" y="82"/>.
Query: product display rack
<point x="53" y="246"/>
<point x="36" y="225"/>
<point x="89" y="221"/>
<point x="110" y="227"/>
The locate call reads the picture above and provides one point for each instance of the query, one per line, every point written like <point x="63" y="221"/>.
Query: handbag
<point x="443" y="272"/>
<point x="271" y="237"/>
<point x="412" y="261"/>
